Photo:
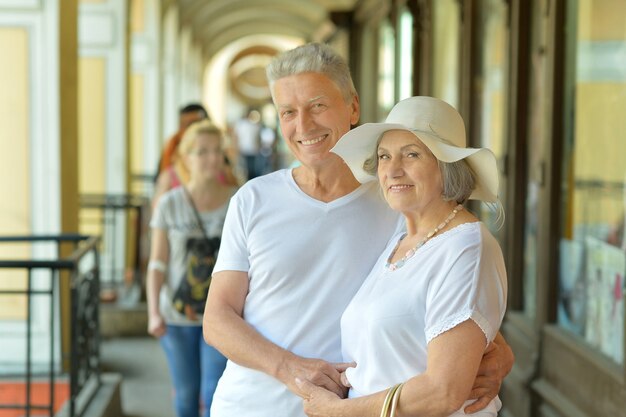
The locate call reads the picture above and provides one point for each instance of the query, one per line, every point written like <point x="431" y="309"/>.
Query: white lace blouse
<point x="455" y="276"/>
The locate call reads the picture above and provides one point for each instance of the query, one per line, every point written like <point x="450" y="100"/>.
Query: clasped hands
<point x="321" y="383"/>
<point x="317" y="372"/>
<point x="317" y="382"/>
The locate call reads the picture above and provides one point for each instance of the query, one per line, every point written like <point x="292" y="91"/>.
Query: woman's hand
<point x="318" y="401"/>
<point x="157" y="268"/>
<point x="156" y="325"/>
<point x="190" y="313"/>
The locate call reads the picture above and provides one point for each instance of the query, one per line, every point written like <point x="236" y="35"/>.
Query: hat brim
<point x="359" y="144"/>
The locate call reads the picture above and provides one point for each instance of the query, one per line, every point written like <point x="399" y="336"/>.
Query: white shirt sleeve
<point x="159" y="220"/>
<point x="474" y="287"/>
<point x="233" y="254"/>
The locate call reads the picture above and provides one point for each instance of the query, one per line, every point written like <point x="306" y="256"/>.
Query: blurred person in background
<point x="194" y="211"/>
<point x="247" y="139"/>
<point x="172" y="171"/>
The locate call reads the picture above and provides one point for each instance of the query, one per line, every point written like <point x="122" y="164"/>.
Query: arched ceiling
<point x="239" y="38"/>
<point x="216" y="23"/>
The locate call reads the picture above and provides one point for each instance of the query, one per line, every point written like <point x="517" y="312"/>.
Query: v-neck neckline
<point x="338" y="202"/>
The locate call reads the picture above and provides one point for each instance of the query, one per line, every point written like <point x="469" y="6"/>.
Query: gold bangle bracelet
<point x="394" y="400"/>
<point x="390" y="394"/>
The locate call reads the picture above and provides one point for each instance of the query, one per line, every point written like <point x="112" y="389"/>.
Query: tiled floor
<point x="146" y="388"/>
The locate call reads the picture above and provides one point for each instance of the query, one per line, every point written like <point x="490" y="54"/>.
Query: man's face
<point x="313" y="115"/>
<point x="188" y="118"/>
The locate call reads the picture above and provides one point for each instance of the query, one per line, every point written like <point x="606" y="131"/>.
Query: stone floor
<point x="146" y="388"/>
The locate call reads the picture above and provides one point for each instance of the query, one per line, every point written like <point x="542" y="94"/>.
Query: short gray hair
<point x="313" y="57"/>
<point x="458" y="178"/>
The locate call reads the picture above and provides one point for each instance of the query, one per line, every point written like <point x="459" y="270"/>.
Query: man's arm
<point x="496" y="364"/>
<point x="226" y="330"/>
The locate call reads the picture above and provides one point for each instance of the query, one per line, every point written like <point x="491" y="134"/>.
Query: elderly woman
<point x="185" y="217"/>
<point x="436" y="297"/>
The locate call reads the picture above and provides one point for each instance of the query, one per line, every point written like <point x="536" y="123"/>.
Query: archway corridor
<point x="96" y="94"/>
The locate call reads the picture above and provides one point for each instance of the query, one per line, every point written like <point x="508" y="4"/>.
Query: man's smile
<point x="313" y="141"/>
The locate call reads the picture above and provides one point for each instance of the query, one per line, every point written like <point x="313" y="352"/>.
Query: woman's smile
<point x="398" y="188"/>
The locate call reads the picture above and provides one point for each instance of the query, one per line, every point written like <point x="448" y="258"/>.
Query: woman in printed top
<point x="435" y="299"/>
<point x="194" y="211"/>
<point x="172" y="171"/>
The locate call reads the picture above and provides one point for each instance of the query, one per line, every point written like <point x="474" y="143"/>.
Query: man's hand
<point x="316" y="372"/>
<point x="496" y="364"/>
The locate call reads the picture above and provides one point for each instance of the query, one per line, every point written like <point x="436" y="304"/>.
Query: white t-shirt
<point x="305" y="260"/>
<point x="175" y="215"/>
<point x="455" y="276"/>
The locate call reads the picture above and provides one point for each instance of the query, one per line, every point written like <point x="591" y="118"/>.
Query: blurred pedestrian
<point x="186" y="232"/>
<point x="247" y="135"/>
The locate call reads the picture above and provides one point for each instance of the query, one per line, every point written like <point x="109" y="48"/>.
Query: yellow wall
<point x="600" y="149"/>
<point x="601" y="20"/>
<point x="600" y="125"/>
<point x="91" y="132"/>
<point x="137" y="12"/>
<point x="136" y="123"/>
<point x="14" y="162"/>
<point x="446" y="52"/>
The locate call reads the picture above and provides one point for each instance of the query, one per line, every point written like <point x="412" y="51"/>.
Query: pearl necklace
<point x="411" y="252"/>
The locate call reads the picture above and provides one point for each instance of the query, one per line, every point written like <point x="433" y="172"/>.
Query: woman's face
<point x="408" y="172"/>
<point x="205" y="158"/>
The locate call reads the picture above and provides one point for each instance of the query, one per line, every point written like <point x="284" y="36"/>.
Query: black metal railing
<point x="122" y="219"/>
<point x="82" y="268"/>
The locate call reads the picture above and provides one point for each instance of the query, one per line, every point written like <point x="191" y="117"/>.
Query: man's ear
<point x="355" y="112"/>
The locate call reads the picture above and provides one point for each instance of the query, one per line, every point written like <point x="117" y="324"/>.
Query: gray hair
<point x="458" y="178"/>
<point x="313" y="57"/>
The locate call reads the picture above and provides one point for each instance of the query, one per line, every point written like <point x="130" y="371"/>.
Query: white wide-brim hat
<point x="439" y="126"/>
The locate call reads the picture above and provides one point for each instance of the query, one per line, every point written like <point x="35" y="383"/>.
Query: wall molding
<point x="112" y="48"/>
<point x="97" y="29"/>
<point x="20" y="4"/>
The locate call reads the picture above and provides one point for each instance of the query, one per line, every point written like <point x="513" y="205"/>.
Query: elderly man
<point x="296" y="246"/>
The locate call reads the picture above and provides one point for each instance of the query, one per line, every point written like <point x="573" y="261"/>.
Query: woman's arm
<point x="496" y="364"/>
<point x="453" y="360"/>
<point x="163" y="184"/>
<point x="159" y="256"/>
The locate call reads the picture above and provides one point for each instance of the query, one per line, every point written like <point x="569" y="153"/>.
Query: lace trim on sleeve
<point x="455" y="320"/>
